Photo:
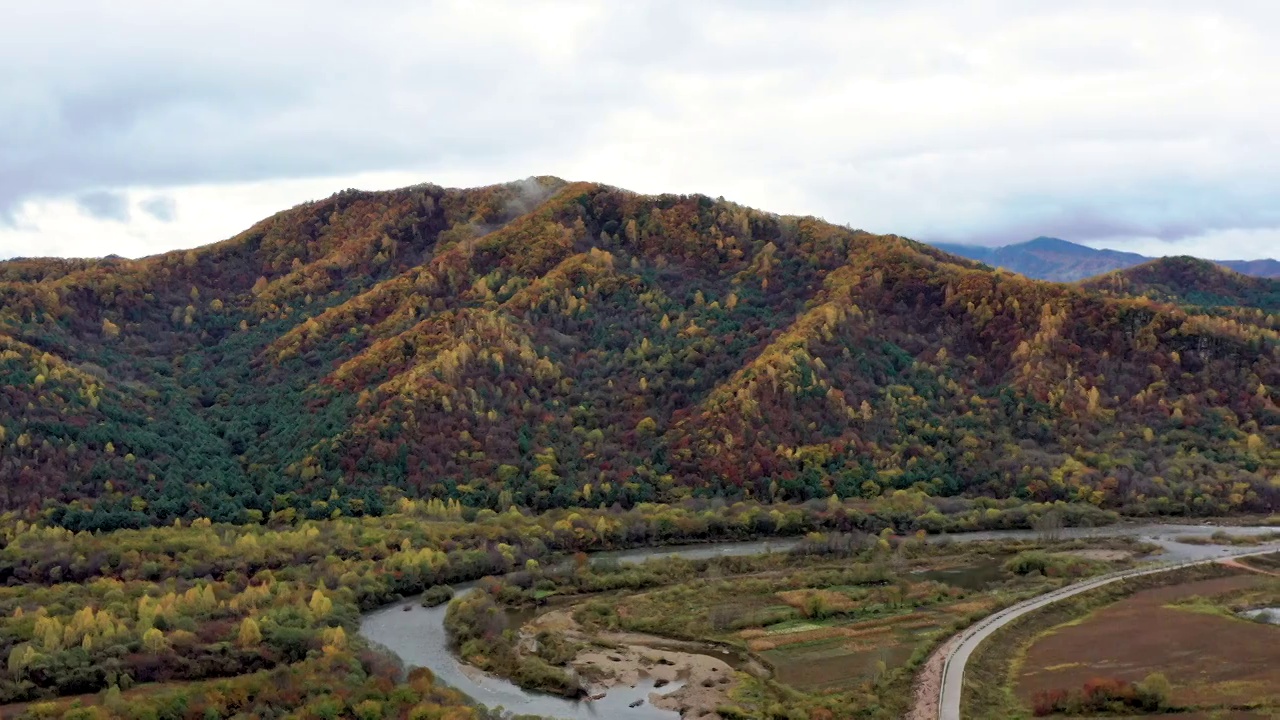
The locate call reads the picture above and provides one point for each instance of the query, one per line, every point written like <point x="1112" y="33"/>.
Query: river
<point x="418" y="637"/>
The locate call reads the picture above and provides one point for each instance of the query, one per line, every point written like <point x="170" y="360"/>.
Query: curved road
<point x="970" y="639"/>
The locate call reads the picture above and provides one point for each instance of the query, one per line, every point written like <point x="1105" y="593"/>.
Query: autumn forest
<point x="546" y="344"/>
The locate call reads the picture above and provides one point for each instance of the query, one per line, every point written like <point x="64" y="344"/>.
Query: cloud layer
<point x="137" y="127"/>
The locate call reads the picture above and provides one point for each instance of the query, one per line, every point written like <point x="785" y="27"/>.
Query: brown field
<point x="856" y="635"/>
<point x="799" y="599"/>
<point x="1198" y="715"/>
<point x="1265" y="563"/>
<point x="833" y="656"/>
<point x="1209" y="659"/>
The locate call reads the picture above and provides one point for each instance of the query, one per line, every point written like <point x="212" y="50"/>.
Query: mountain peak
<point x="1050" y="243"/>
<point x="1050" y="258"/>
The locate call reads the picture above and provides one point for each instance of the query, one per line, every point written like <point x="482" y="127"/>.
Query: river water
<point x="418" y="637"/>
<point x="1269" y="615"/>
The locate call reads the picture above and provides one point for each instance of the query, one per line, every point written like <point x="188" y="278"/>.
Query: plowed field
<point x="1209" y="659"/>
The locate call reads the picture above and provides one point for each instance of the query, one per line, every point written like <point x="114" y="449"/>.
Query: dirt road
<point x="928" y="686"/>
<point x="1232" y="562"/>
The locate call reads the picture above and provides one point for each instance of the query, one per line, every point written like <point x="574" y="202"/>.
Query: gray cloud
<point x="160" y="207"/>
<point x="339" y="91"/>
<point x="1171" y="213"/>
<point x="993" y="122"/>
<point x="104" y="205"/>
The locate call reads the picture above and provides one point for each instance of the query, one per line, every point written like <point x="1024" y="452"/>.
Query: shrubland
<point x="81" y="612"/>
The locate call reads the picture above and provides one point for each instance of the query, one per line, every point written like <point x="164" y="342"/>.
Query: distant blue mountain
<point x="1049" y="258"/>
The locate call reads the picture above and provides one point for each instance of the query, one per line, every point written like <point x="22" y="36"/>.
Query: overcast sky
<point x="137" y="126"/>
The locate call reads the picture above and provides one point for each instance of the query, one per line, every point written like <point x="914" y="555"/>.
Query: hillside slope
<point x="546" y="343"/>
<point x="1190" y="281"/>
<point x="1265" y="268"/>
<point x="1053" y="259"/>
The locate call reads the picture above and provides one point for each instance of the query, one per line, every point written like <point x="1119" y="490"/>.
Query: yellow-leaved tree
<point x="320" y="603"/>
<point x="250" y="634"/>
<point x="153" y="640"/>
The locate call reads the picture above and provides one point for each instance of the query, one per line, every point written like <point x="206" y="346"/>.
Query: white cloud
<point x="203" y="214"/>
<point x="1223" y="245"/>
<point x="1139" y="125"/>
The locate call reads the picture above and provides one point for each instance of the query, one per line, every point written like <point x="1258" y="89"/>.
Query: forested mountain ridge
<point x="1190" y="281"/>
<point x="546" y="344"/>
<point x="1048" y="258"/>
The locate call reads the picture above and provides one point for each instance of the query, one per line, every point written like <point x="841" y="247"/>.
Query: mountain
<point x="547" y="344"/>
<point x="1053" y="259"/>
<point x="1048" y="258"/>
<point x="1191" y="281"/>
<point x="1256" y="268"/>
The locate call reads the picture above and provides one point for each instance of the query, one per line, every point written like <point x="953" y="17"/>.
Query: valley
<point x="557" y="449"/>
<point x="709" y="627"/>
<point x="809" y="608"/>
<point x="547" y="360"/>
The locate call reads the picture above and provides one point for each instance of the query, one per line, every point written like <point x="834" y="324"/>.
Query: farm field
<point x="1211" y="659"/>
<point x="1264" y="563"/>
<point x="829" y="626"/>
<point x="826" y="657"/>
<point x="1221" y="715"/>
